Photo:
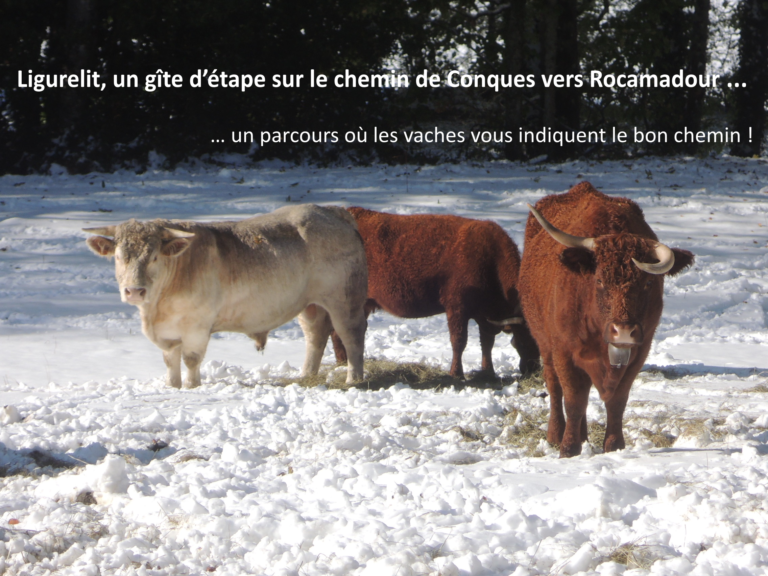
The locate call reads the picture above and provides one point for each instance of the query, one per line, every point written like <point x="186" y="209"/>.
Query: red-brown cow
<point x="593" y="301"/>
<point x="422" y="265"/>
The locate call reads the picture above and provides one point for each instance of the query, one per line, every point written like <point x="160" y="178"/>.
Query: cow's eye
<point x="599" y="283"/>
<point x="155" y="258"/>
<point x="648" y="283"/>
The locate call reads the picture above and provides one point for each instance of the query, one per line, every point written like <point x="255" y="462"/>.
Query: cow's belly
<point x="255" y="321"/>
<point x="405" y="297"/>
<point x="244" y="308"/>
<point x="249" y="312"/>
<point x="411" y="309"/>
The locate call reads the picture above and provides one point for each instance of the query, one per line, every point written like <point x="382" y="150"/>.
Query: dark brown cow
<point x="422" y="265"/>
<point x="592" y="302"/>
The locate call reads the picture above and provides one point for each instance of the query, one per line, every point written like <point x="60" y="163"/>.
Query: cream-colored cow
<point x="190" y="280"/>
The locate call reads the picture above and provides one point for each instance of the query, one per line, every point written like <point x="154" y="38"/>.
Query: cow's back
<point x="305" y="237"/>
<point x="259" y="273"/>
<point x="585" y="211"/>
<point x="416" y="263"/>
<point x="418" y="243"/>
<point x="313" y="246"/>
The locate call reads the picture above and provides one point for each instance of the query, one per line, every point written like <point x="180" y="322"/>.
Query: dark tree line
<point x="86" y="129"/>
<point x="753" y="69"/>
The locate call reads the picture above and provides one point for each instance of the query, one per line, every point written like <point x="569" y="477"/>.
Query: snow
<point x="105" y="470"/>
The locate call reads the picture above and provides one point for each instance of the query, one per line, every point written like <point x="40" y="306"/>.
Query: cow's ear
<point x="580" y="260"/>
<point x="683" y="259"/>
<point x="175" y="247"/>
<point x="101" y="246"/>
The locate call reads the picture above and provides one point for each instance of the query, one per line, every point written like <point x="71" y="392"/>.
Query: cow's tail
<point x="508" y="269"/>
<point x="522" y="339"/>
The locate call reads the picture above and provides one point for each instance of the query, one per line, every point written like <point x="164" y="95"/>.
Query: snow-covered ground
<point x="247" y="476"/>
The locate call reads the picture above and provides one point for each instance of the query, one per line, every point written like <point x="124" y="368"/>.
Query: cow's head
<point x="628" y="285"/>
<point x="144" y="254"/>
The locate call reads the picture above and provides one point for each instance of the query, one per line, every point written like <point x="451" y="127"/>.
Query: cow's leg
<point x="614" y="411"/>
<point x="350" y="324"/>
<point x="575" y="385"/>
<point x="556" y="426"/>
<point x="193" y="347"/>
<point x="576" y="421"/>
<point x="487" y="337"/>
<point x="614" y="416"/>
<point x="316" y="324"/>
<point x="353" y="336"/>
<point x="172" y="359"/>
<point x="338" y="346"/>
<point x="458" y="326"/>
<point x="526" y="348"/>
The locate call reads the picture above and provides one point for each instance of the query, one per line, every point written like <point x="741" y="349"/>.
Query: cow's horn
<point x="666" y="260"/>
<point x="562" y="237"/>
<point x="179" y="233"/>
<point x="101" y="230"/>
<point x="507" y="322"/>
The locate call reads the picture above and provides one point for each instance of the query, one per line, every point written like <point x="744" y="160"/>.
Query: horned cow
<point x="421" y="265"/>
<point x="190" y="280"/>
<point x="593" y="299"/>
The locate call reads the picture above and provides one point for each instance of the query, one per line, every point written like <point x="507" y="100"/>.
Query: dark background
<point x="87" y="130"/>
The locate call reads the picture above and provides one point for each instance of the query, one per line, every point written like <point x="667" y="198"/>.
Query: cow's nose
<point x="135" y="293"/>
<point x="623" y="333"/>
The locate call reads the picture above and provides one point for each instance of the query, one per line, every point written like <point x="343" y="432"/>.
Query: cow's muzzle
<point x="623" y="334"/>
<point x="134" y="294"/>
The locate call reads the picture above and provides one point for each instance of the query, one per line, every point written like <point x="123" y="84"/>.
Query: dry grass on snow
<point x="385" y="373"/>
<point x="633" y="555"/>
<point x="526" y="431"/>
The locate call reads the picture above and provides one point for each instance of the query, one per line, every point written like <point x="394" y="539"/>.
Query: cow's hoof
<point x="356" y="378"/>
<point x="528" y="369"/>
<point x="555" y="433"/>
<point x="613" y="443"/>
<point x="569" y="451"/>
<point x="554" y="440"/>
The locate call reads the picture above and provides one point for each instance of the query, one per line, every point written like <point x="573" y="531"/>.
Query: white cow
<point x="190" y="280"/>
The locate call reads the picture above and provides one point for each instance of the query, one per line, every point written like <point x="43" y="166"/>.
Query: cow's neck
<point x="592" y="324"/>
<point x="153" y="311"/>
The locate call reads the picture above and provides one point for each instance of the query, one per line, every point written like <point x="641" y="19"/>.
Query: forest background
<point x="88" y="129"/>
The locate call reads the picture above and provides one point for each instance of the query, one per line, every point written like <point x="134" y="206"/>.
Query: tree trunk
<point x="514" y="33"/>
<point x="550" y="60"/>
<point x="567" y="100"/>
<point x="561" y="56"/>
<point x="79" y="13"/>
<point x="697" y="65"/>
<point x="491" y="46"/>
<point x="753" y="70"/>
